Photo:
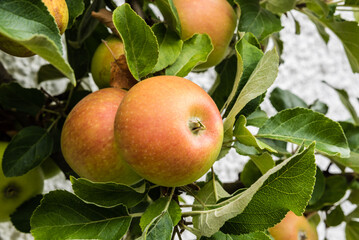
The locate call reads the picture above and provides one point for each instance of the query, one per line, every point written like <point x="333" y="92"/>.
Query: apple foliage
<point x="280" y="174"/>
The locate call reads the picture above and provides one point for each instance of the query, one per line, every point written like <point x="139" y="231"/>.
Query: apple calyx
<point x="11" y="191"/>
<point x="196" y="126"/>
<point x="302" y="235"/>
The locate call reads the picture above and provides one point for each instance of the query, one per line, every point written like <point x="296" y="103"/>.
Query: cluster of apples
<point x="165" y="129"/>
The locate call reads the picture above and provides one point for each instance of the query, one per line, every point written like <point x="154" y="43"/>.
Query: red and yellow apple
<point x="102" y="59"/>
<point x="169" y="130"/>
<point x="87" y="139"/>
<point x="16" y="190"/>
<point x="213" y="17"/>
<point x="293" y="227"/>
<point x="58" y="9"/>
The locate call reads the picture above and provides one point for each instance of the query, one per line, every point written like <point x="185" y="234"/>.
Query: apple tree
<point x="125" y="45"/>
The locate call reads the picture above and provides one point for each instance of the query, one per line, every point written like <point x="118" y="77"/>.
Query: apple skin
<point x="102" y="59"/>
<point x="16" y="190"/>
<point x="58" y="9"/>
<point x="154" y="130"/>
<point x="214" y="17"/>
<point x="292" y="227"/>
<point x="87" y="139"/>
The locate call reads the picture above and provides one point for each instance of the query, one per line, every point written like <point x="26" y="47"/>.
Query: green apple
<point x="294" y="227"/>
<point x="17" y="190"/>
<point x="102" y="59"/>
<point x="169" y="130"/>
<point x="58" y="9"/>
<point x="87" y="139"/>
<point x="214" y="17"/>
<point x="50" y="168"/>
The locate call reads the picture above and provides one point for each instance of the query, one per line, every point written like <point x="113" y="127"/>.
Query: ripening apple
<point x="16" y="190"/>
<point x="169" y="130"/>
<point x="293" y="227"/>
<point x="87" y="139"/>
<point x="213" y="17"/>
<point x="102" y="59"/>
<point x="58" y="9"/>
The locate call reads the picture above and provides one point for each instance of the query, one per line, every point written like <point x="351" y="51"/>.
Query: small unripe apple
<point x="293" y="227"/>
<point x="58" y="9"/>
<point x="214" y="17"/>
<point x="87" y="139"/>
<point x="16" y="190"/>
<point x="102" y="59"/>
<point x="169" y="130"/>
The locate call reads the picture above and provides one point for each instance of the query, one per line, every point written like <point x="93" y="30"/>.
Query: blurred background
<point x="307" y="62"/>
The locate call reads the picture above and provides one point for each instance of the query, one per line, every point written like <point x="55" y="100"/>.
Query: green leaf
<point x="170" y="14"/>
<point x="351" y="162"/>
<point x="284" y="99"/>
<point x="15" y="97"/>
<point x="248" y="54"/>
<point x="170" y="46"/>
<point x="76" y="8"/>
<point x="245" y="150"/>
<point x="48" y="72"/>
<point x="319" y="106"/>
<point x="280" y="6"/>
<point x="257" y="20"/>
<point x="155" y="210"/>
<point x="300" y="125"/>
<point x="257" y="118"/>
<point x="351" y="3"/>
<point x="352" y="230"/>
<point x="244" y="136"/>
<point x="287" y="186"/>
<point x="162" y="228"/>
<point x="259" y="81"/>
<point x="29" y="24"/>
<point x="335" y="189"/>
<point x="250" y="173"/>
<point x="319" y="187"/>
<point x="352" y="134"/>
<point x="223" y="85"/>
<point x="210" y="193"/>
<point x="195" y="50"/>
<point x="87" y="25"/>
<point x="21" y="217"/>
<point x="140" y="43"/>
<point x="290" y="183"/>
<point x="108" y="194"/>
<point x="64" y="216"/>
<point x="344" y="98"/>
<point x="28" y="149"/>
<point x="250" y="236"/>
<point x="341" y="28"/>
<point x="335" y="217"/>
<point x="264" y="162"/>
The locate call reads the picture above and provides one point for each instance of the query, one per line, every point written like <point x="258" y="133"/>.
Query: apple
<point x="293" y="227"/>
<point x="169" y="130"/>
<point x="102" y="59"/>
<point x="16" y="190"/>
<point x="58" y="9"/>
<point x="87" y="139"/>
<point x="216" y="18"/>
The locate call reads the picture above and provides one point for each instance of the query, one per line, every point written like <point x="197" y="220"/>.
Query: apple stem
<point x="196" y="126"/>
